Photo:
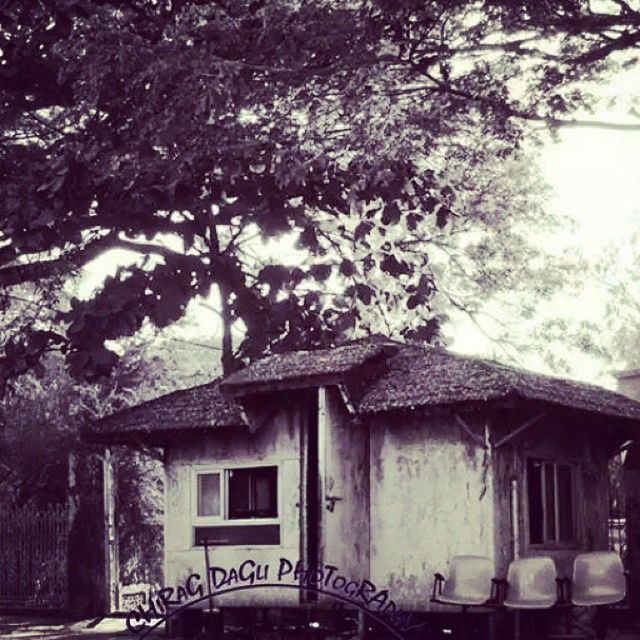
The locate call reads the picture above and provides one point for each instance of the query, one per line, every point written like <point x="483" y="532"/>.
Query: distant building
<point x="629" y="383"/>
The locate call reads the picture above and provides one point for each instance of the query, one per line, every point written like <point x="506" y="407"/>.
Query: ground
<point x="35" y="628"/>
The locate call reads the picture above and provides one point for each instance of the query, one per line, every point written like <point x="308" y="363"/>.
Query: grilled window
<point x="551" y="499"/>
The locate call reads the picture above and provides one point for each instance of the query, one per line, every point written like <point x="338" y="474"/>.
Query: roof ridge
<point x="304" y="365"/>
<point x="373" y="340"/>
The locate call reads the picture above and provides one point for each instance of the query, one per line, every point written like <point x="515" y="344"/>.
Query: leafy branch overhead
<point x="189" y="131"/>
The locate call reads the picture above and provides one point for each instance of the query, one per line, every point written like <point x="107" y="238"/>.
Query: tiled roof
<point x="413" y="376"/>
<point x="300" y="366"/>
<point x="200" y="407"/>
<point x="430" y="376"/>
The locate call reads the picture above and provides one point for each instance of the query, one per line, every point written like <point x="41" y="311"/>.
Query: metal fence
<point x="33" y="557"/>
<point x="618" y="537"/>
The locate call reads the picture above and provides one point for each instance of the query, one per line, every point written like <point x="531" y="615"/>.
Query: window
<point x="208" y="494"/>
<point x="252" y="493"/>
<point x="237" y="494"/>
<point x="551" y="497"/>
<point x="236" y="507"/>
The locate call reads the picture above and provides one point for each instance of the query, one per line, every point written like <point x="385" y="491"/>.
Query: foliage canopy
<point x="334" y="125"/>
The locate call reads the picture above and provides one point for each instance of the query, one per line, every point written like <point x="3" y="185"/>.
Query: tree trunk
<point x="227" y="339"/>
<point x="226" y="358"/>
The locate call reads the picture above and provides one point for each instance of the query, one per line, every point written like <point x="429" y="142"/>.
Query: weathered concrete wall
<point x="345" y="539"/>
<point x="277" y="442"/>
<point x="559" y="438"/>
<point x="410" y="493"/>
<point x="431" y="499"/>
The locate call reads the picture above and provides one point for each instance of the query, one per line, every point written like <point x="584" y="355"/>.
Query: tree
<point x="616" y="274"/>
<point x="44" y="461"/>
<point x="212" y="124"/>
<point x="599" y="330"/>
<point x="42" y="419"/>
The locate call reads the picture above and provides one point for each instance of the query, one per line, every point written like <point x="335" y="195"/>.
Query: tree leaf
<point x="320" y="272"/>
<point x="347" y="268"/>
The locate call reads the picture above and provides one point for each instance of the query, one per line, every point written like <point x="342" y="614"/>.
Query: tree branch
<point x="42" y="269"/>
<point x="440" y="87"/>
<point x="625" y="41"/>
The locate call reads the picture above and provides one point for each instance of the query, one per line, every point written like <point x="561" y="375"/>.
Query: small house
<point x="382" y="459"/>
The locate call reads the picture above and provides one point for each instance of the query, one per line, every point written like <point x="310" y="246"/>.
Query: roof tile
<point x="198" y="407"/>
<point x="299" y="365"/>
<point x="430" y="376"/>
<point x="414" y="376"/>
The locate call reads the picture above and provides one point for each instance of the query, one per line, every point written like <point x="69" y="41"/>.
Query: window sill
<point x="234" y="547"/>
<point x="220" y="522"/>
<point x="238" y="535"/>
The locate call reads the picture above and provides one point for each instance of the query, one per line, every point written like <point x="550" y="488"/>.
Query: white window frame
<point x="575" y="467"/>
<point x="205" y="520"/>
<point x="223" y="518"/>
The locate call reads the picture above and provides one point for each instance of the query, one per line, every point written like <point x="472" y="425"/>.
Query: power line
<point x="196" y="344"/>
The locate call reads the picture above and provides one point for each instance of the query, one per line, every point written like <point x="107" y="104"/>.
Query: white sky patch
<point x="595" y="177"/>
<point x="105" y="266"/>
<point x="98" y="270"/>
<point x="284" y="250"/>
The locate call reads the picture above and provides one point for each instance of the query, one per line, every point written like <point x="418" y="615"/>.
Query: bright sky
<point x="595" y="177"/>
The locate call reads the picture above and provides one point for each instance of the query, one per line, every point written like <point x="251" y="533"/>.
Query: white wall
<point x="345" y="535"/>
<point x="274" y="443"/>
<point x="431" y="499"/>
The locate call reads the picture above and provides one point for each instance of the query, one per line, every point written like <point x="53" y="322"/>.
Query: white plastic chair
<point x="598" y="579"/>
<point x="532" y="584"/>
<point x="468" y="583"/>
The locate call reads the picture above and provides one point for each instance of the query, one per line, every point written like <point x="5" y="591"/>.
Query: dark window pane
<point x="565" y="504"/>
<point x="239" y="493"/>
<point x="534" y="486"/>
<point x="209" y="494"/>
<point x="265" y="492"/>
<point x="549" y="502"/>
<point x="253" y="493"/>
